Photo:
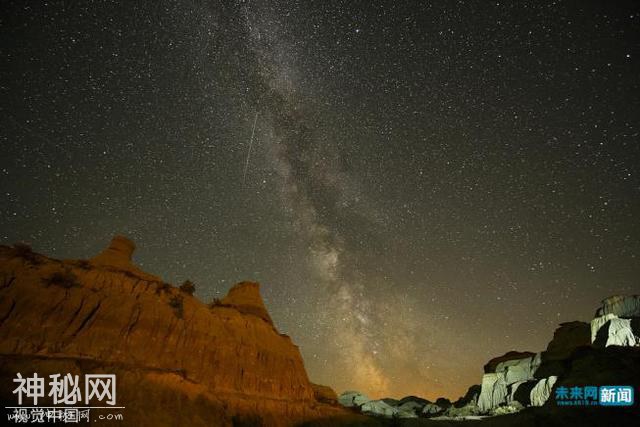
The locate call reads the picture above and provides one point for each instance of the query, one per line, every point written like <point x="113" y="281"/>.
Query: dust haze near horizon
<point x="418" y="187"/>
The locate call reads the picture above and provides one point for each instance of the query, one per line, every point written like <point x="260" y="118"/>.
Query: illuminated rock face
<point x="107" y="312"/>
<point x="611" y="330"/>
<point x="508" y="358"/>
<point x="352" y="399"/>
<point x="617" y="322"/>
<point x="494" y="391"/>
<point x="118" y="255"/>
<point x="621" y="306"/>
<point x="510" y="371"/>
<point x="245" y="297"/>
<point x="528" y="378"/>
<point x="378" y="408"/>
<point x="542" y="390"/>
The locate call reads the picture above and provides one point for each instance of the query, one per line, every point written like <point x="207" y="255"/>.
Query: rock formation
<point x="566" y="339"/>
<point x="492" y="364"/>
<point x="542" y="390"/>
<point x="617" y="322"/>
<point x="324" y="394"/>
<point x="392" y="408"/>
<point x="431" y="409"/>
<point x="602" y="352"/>
<point x="411" y="407"/>
<point x="352" y="399"/>
<point x="510" y="371"/>
<point x="470" y="397"/>
<point x="245" y="297"/>
<point x="620" y="305"/>
<point x="222" y="364"/>
<point x="379" y="408"/>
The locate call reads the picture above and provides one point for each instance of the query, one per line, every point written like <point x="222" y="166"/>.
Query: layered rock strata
<point x="106" y="314"/>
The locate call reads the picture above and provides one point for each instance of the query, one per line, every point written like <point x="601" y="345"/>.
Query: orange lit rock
<point x="108" y="315"/>
<point x="245" y="297"/>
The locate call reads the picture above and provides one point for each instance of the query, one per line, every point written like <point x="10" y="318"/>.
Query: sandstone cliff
<point x="177" y="360"/>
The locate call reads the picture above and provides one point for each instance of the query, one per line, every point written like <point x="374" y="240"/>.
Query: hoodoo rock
<point x="177" y="361"/>
<point x="119" y="255"/>
<point x="245" y="297"/>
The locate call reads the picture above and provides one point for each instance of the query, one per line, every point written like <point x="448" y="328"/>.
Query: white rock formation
<point x="378" y="408"/>
<point x="494" y="391"/>
<point x="497" y="388"/>
<point x="621" y="306"/>
<point x="431" y="409"/>
<point x="611" y="330"/>
<point x="350" y="399"/>
<point x="410" y="407"/>
<point x="598" y="322"/>
<point x="519" y="369"/>
<point x="541" y="391"/>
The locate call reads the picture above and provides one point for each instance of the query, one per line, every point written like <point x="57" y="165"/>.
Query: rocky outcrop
<point x="541" y="391"/>
<point x="324" y="394"/>
<point x="615" y="331"/>
<point x="510" y="370"/>
<point x="617" y="322"/>
<point x="519" y="380"/>
<point x="494" y="391"/>
<point x="509" y="356"/>
<point x="379" y="408"/>
<point x="470" y="397"/>
<point x="245" y="297"/>
<point x="431" y="409"/>
<point x="105" y="314"/>
<point x="466" y="405"/>
<point x="412" y="400"/>
<point x="566" y="339"/>
<point x="528" y="378"/>
<point x="352" y="399"/>
<point x="391" y="408"/>
<point x="118" y="256"/>
<point x="620" y="306"/>
<point x="412" y="407"/>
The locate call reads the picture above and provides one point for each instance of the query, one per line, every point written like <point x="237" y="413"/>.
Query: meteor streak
<point x="246" y="163"/>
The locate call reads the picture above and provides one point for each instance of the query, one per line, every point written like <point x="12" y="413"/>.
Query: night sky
<point x="418" y="187"/>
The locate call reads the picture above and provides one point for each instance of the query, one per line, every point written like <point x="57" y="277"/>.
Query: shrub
<point x="188" y="287"/>
<point x="163" y="287"/>
<point x="83" y="264"/>
<point x="24" y="251"/>
<point x="215" y="303"/>
<point x="65" y="279"/>
<point x="177" y="304"/>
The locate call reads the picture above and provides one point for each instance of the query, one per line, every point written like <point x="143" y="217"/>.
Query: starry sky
<point x="418" y="186"/>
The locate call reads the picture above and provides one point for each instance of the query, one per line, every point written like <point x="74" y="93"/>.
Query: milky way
<point x="418" y="187"/>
